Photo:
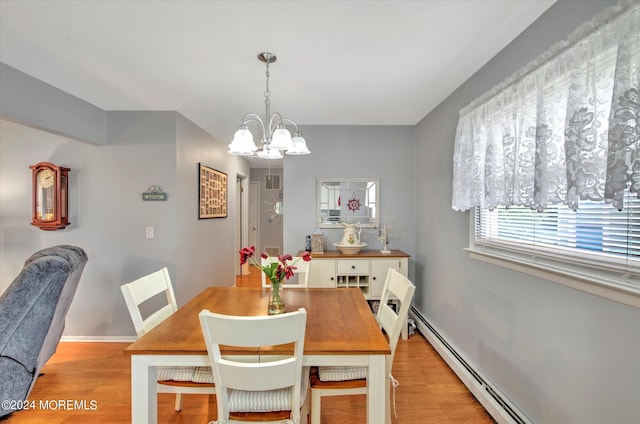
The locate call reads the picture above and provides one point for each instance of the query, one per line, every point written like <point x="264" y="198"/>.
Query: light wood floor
<point x="253" y="279"/>
<point x="95" y="378"/>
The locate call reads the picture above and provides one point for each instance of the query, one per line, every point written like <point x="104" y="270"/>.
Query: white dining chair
<point x="302" y="272"/>
<point x="340" y="381"/>
<point x="178" y="380"/>
<point x="273" y="390"/>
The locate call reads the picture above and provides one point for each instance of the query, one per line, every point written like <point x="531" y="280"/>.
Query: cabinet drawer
<point x="379" y="270"/>
<point x="353" y="266"/>
<point x="322" y="273"/>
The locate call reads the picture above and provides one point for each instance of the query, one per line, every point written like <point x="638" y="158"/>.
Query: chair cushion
<point x="194" y="374"/>
<point x="342" y="373"/>
<point x="268" y="400"/>
<point x="264" y="401"/>
<point x="202" y="375"/>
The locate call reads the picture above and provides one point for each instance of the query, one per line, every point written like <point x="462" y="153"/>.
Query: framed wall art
<point x="212" y="194"/>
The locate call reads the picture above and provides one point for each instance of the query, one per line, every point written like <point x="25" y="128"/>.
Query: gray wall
<point x="28" y="100"/>
<point x="206" y="251"/>
<point x="560" y="355"/>
<point x="384" y="152"/>
<point x="108" y="217"/>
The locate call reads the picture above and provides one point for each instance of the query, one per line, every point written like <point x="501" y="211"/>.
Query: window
<point x="597" y="238"/>
<point x="594" y="235"/>
<point x="272" y="181"/>
<point x="550" y="160"/>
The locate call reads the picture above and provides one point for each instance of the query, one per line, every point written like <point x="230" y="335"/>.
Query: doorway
<point x="254" y="229"/>
<point x="242" y="232"/>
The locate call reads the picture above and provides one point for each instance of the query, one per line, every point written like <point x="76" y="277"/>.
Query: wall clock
<point x="50" y="196"/>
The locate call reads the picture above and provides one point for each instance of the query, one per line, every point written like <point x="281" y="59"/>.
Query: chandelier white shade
<point x="281" y="139"/>
<point x="299" y="146"/>
<point x="242" y="144"/>
<point x="276" y="138"/>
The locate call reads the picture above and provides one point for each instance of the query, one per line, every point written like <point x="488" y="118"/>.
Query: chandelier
<point x="276" y="138"/>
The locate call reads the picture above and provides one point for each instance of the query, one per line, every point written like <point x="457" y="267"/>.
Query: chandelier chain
<point x="267" y="93"/>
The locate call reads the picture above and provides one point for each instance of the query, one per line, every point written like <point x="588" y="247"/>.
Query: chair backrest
<point x="302" y="267"/>
<point x="399" y="287"/>
<point x="255" y="331"/>
<point x="144" y="288"/>
<point x="33" y="311"/>
<point x="77" y="258"/>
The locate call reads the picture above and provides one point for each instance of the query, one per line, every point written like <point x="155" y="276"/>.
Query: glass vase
<point x="276" y="300"/>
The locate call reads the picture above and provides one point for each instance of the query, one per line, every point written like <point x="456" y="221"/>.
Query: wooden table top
<point x="339" y="322"/>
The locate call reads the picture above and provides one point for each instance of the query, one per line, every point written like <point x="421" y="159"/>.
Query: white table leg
<point x="376" y="405"/>
<point x="144" y="396"/>
<point x="387" y="393"/>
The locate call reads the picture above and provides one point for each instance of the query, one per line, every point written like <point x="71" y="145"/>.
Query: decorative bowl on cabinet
<point x="349" y="249"/>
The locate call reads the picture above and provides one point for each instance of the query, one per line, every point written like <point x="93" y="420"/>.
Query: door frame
<point x="242" y="227"/>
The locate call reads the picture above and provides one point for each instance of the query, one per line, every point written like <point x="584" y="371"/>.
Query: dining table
<point x="341" y="330"/>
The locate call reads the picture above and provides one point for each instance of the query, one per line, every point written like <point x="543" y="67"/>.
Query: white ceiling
<point x="355" y="62"/>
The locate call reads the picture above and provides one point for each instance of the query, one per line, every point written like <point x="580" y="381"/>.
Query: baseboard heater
<point x="491" y="398"/>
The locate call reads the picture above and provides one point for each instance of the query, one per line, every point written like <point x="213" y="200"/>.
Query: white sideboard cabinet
<point x="366" y="270"/>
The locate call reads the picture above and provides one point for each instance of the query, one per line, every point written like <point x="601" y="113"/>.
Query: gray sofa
<point x="32" y="314"/>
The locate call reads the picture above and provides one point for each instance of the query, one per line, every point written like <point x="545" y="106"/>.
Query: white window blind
<point x="596" y="235"/>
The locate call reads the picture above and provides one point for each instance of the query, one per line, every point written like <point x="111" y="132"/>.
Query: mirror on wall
<point x="351" y="200"/>
<point x="277" y="207"/>
<point x="275" y="211"/>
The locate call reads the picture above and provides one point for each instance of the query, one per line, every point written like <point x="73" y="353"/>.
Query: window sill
<point x="617" y="287"/>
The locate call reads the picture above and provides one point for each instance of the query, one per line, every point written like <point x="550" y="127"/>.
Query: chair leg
<point x="304" y="410"/>
<point x="316" y="400"/>
<point x="178" y="402"/>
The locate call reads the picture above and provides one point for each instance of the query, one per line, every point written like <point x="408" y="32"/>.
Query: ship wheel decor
<point x="354" y="204"/>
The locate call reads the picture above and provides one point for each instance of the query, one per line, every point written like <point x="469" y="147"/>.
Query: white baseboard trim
<point x="106" y="339"/>
<point x="489" y="397"/>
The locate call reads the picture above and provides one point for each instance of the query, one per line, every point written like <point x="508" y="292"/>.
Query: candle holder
<point x="317" y="243"/>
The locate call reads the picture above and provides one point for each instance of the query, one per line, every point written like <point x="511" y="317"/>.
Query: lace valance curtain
<point x="563" y="129"/>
